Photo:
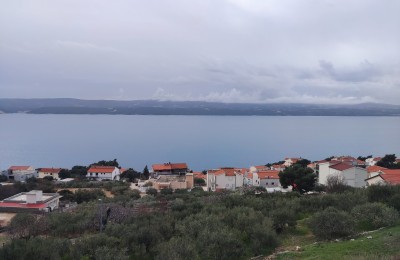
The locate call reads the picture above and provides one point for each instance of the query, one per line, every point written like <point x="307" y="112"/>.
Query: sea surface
<point x="203" y="142"/>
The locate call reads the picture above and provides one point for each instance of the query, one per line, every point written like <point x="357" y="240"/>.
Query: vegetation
<point x="389" y="161"/>
<point x="201" y="225"/>
<point x="302" y="179"/>
<point x="382" y="244"/>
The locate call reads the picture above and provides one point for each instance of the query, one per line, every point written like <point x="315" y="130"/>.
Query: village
<point x="351" y="171"/>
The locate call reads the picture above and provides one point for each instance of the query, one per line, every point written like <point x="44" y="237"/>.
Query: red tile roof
<point x="199" y="175"/>
<point x="19" y="168"/>
<point x="391" y="171"/>
<point x="226" y="171"/>
<point x="169" y="166"/>
<point x="375" y="168"/>
<point x="22" y="205"/>
<point x="50" y="170"/>
<point x="102" y="169"/>
<point x="260" y="167"/>
<point x="268" y="174"/>
<point x="377" y="159"/>
<point x="393" y="179"/>
<point x="341" y="166"/>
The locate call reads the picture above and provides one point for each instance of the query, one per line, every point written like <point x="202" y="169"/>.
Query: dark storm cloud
<point x="218" y="50"/>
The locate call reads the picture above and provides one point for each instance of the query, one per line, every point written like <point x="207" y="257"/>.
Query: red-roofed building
<point x="199" y="175"/>
<point x="387" y="178"/>
<point x="21" y="173"/>
<point x="259" y="168"/>
<point x="225" y="178"/>
<point x="266" y="179"/>
<point x="53" y="172"/>
<point x="103" y="173"/>
<point x="374" y="170"/>
<point x="170" y="169"/>
<point x="353" y="176"/>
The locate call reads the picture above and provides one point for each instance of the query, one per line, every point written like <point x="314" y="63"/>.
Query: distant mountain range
<point x="154" y="107"/>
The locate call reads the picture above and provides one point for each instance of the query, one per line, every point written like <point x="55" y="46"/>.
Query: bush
<point x="167" y="191"/>
<point x="332" y="223"/>
<point x="151" y="191"/>
<point x="374" y="215"/>
<point x="282" y="218"/>
<point x="336" y="184"/>
<point x="380" y="193"/>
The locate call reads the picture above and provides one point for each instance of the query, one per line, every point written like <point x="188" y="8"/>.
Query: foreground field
<point x="384" y="244"/>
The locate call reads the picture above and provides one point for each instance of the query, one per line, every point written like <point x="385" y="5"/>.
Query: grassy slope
<point x="385" y="244"/>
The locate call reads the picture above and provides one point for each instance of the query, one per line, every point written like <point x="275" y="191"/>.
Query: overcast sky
<point x="309" y="51"/>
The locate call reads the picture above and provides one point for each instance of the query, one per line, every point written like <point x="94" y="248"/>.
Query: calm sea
<point x="203" y="142"/>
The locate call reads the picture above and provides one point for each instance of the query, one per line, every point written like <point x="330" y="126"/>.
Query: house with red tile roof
<point x="374" y="170"/>
<point x="225" y="178"/>
<point x="170" y="169"/>
<point x="259" y="168"/>
<point x="353" y="176"/>
<point x="384" y="178"/>
<point x="53" y="172"/>
<point x="21" y="173"/>
<point x="278" y="167"/>
<point x="266" y="179"/>
<point x="101" y="173"/>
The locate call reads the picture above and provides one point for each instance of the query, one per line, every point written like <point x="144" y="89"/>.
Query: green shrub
<point x="374" y="215"/>
<point x="151" y="191"/>
<point x="332" y="223"/>
<point x="380" y="193"/>
<point x="282" y="218"/>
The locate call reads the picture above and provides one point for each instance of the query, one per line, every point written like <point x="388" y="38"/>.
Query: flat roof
<point x="21" y="197"/>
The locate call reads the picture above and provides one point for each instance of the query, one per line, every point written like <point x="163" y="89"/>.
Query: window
<point x="273" y="183"/>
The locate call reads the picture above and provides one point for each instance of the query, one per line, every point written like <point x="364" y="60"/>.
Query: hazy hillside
<point x="154" y="107"/>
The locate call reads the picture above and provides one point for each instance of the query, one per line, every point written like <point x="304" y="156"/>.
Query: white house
<point x="21" y="173"/>
<point x="384" y="179"/>
<point x="353" y="176"/>
<point x="372" y="161"/>
<point x="34" y="200"/>
<point x="103" y="173"/>
<point x="266" y="179"/>
<point x="225" y="178"/>
<point x="290" y="161"/>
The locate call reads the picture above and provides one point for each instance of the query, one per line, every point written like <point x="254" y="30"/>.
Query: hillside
<point x="155" y="107"/>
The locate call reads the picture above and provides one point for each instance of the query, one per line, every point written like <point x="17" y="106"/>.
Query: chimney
<point x="39" y="195"/>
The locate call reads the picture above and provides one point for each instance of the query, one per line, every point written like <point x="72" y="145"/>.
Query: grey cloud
<point x="219" y="50"/>
<point x="364" y="72"/>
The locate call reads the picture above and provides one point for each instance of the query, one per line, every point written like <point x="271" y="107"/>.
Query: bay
<point x="203" y="142"/>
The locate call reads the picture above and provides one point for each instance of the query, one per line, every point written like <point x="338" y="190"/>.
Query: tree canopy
<point x="389" y="161"/>
<point x="300" y="178"/>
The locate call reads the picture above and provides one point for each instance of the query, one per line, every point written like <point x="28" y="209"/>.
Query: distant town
<point x="353" y="172"/>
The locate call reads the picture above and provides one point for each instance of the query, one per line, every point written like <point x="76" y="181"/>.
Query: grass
<point x="385" y="244"/>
